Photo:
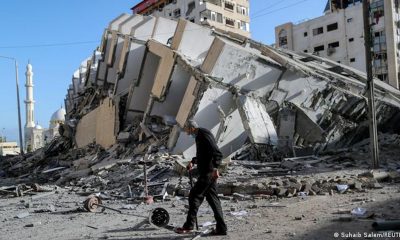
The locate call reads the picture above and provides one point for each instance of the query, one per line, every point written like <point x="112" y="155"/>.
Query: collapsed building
<point x="150" y="75"/>
<point x="274" y="113"/>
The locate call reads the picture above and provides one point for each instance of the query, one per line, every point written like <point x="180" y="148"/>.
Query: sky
<point x="56" y="36"/>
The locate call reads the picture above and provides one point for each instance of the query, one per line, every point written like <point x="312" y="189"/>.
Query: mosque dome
<point x="57" y="118"/>
<point x="38" y="127"/>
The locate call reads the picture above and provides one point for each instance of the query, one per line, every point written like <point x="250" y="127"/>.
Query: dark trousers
<point x="205" y="187"/>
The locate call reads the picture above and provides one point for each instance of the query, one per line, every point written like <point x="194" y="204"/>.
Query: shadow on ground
<point x="356" y="228"/>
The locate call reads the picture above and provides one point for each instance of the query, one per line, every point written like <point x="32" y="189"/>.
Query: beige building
<point x="9" y="148"/>
<point x="339" y="36"/>
<point x="232" y="15"/>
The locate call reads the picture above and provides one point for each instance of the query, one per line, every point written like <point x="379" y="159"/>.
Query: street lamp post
<point x="18" y="103"/>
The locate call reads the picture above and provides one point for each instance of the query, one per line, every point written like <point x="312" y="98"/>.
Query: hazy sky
<point x="56" y="36"/>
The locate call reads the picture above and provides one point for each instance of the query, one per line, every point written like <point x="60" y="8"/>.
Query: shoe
<point x="215" y="232"/>
<point x="183" y="230"/>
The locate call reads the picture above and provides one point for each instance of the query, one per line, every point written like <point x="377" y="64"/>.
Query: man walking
<point x="208" y="158"/>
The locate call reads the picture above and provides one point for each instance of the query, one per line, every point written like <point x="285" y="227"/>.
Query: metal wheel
<point x="91" y="203"/>
<point x="159" y="217"/>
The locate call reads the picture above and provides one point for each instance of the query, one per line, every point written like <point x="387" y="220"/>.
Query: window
<point x="351" y="39"/>
<point x="242" y="10"/>
<point x="332" y="27"/>
<point x="352" y="59"/>
<point x="230" y="22"/>
<point x="219" y="17"/>
<point x="319" y="48"/>
<point x="230" y="6"/>
<point x="283" y="39"/>
<point x="317" y="31"/>
<point x="243" y="25"/>
<point x="177" y="12"/>
<point x="333" y="45"/>
<point x="382" y="77"/>
<point x="213" y="16"/>
<point x="305" y="34"/>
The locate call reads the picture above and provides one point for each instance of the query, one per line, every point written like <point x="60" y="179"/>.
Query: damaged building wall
<point x="140" y="94"/>
<point x="98" y="126"/>
<point x="86" y="129"/>
<point x="241" y="90"/>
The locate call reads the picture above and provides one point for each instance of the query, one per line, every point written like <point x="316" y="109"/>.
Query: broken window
<point x="305" y="34"/>
<point x="333" y="45"/>
<point x="352" y="59"/>
<point x="377" y="11"/>
<point x="161" y="7"/>
<point x="332" y="27"/>
<point x="283" y="41"/>
<point x="342" y="4"/>
<point x="305" y="51"/>
<point x="319" y="48"/>
<point x="332" y="48"/>
<point x="351" y="39"/>
<point x="229" y="6"/>
<point x="230" y="22"/>
<point x="317" y="31"/>
<point x="382" y="77"/>
<point x="191" y="6"/>
<point x="215" y="2"/>
<point x="177" y="12"/>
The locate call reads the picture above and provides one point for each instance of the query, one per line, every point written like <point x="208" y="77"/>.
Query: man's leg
<point x="215" y="204"/>
<point x="196" y="197"/>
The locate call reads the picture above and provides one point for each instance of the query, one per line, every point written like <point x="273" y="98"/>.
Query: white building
<point x="9" y="148"/>
<point x="339" y="36"/>
<point x="232" y="15"/>
<point x="35" y="135"/>
<point x="56" y="119"/>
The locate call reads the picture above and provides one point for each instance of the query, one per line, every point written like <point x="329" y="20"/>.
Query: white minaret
<point x="29" y="102"/>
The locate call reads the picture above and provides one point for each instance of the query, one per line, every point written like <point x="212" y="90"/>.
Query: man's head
<point x="191" y="127"/>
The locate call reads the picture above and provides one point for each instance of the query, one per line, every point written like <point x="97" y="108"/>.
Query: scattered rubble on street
<point x="292" y="127"/>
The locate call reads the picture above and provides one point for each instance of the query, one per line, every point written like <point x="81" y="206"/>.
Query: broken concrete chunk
<point x="22" y="215"/>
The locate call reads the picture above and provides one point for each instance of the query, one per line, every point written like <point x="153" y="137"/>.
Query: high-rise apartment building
<point x="339" y="36"/>
<point x="232" y="15"/>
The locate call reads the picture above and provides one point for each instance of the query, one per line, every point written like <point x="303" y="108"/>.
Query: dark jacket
<point x="208" y="155"/>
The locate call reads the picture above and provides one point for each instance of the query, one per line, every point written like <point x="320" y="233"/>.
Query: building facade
<point x="339" y="36"/>
<point x="232" y="16"/>
<point x="9" y="148"/>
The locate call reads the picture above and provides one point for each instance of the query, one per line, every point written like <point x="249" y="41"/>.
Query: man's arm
<point x="217" y="157"/>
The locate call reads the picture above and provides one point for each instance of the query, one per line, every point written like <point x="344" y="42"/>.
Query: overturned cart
<point x="151" y="74"/>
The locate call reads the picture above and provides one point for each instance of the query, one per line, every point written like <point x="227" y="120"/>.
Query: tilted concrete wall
<point x="97" y="126"/>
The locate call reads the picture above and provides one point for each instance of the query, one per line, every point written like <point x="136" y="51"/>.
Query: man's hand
<point x="189" y="167"/>
<point x="215" y="174"/>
